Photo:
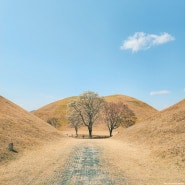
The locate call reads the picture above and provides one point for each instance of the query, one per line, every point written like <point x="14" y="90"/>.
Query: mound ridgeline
<point x="58" y="109"/>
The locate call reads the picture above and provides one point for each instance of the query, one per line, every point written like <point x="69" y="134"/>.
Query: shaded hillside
<point x="22" y="128"/>
<point x="58" y="109"/>
<point x="164" y="133"/>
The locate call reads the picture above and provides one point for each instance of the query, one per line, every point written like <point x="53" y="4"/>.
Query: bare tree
<point x="87" y="106"/>
<point x="74" y="120"/>
<point x="54" y="122"/>
<point x="116" y="114"/>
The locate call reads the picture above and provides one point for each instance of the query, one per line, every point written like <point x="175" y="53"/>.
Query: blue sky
<point x="52" y="49"/>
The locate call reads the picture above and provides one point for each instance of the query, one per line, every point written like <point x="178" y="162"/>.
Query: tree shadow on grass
<point x="83" y="136"/>
<point x="15" y="151"/>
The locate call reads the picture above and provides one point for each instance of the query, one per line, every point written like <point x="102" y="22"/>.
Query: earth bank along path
<point x="85" y="166"/>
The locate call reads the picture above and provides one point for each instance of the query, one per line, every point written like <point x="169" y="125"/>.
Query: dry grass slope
<point x="58" y="109"/>
<point x="22" y="128"/>
<point x="163" y="133"/>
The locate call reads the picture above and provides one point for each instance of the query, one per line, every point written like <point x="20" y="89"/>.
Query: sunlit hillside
<point x="22" y="128"/>
<point x="164" y="133"/>
<point x="58" y="109"/>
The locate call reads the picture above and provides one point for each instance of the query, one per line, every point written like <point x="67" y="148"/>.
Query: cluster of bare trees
<point x="89" y="106"/>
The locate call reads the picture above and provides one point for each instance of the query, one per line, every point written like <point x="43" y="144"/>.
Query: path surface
<point x="86" y="167"/>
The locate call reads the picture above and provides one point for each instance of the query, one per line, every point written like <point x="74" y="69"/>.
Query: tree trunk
<point x="90" y="131"/>
<point x="76" y="129"/>
<point x="111" y="132"/>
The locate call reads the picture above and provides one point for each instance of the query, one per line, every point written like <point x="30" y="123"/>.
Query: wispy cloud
<point x="184" y="89"/>
<point x="159" y="92"/>
<point x="143" y="41"/>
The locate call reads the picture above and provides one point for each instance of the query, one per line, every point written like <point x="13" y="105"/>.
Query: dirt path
<point x="85" y="166"/>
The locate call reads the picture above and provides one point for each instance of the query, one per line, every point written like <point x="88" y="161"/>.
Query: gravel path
<point x="85" y="166"/>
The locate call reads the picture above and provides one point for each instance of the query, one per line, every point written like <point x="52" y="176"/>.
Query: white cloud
<point x="184" y="90"/>
<point x="159" y="92"/>
<point x="143" y="41"/>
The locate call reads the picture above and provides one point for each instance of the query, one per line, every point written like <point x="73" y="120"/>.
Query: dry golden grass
<point x="36" y="167"/>
<point x="139" y="165"/>
<point x="164" y="135"/>
<point x="56" y="109"/>
<point x="164" y="131"/>
<point x="23" y="129"/>
<point x="149" y="153"/>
